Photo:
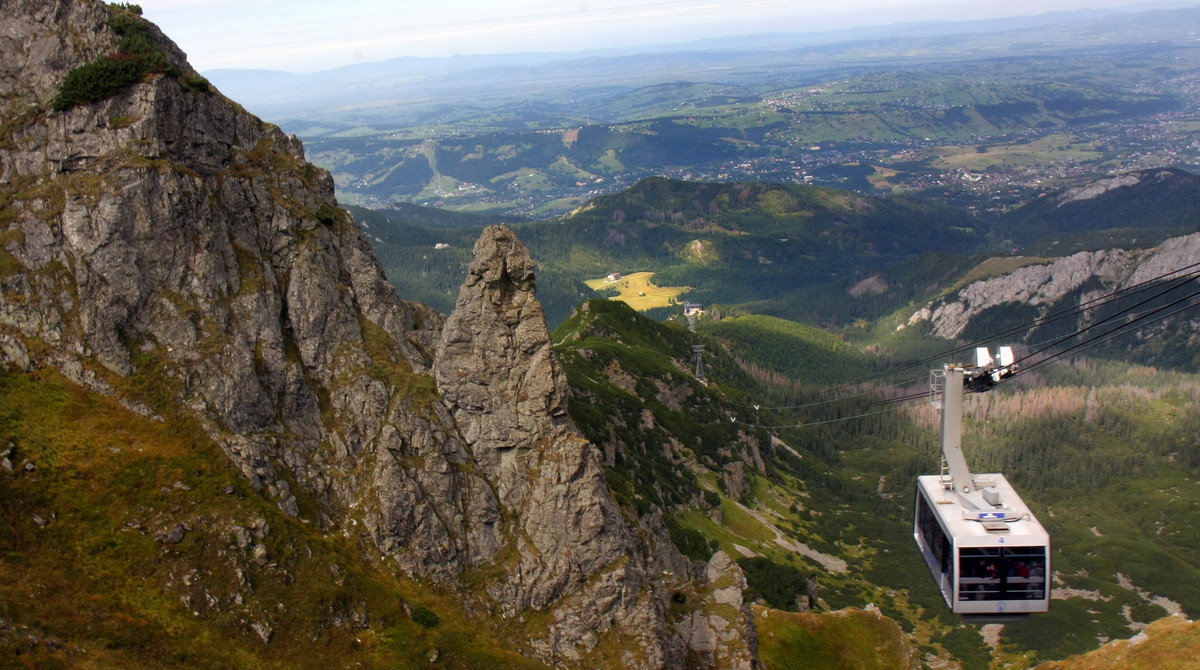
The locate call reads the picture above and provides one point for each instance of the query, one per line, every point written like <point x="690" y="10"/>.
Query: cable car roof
<point x="950" y="506"/>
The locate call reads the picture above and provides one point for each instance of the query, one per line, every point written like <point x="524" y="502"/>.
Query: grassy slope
<point x="91" y="580"/>
<point x="808" y="500"/>
<point x="639" y="291"/>
<point x="1169" y="644"/>
<point x="850" y="638"/>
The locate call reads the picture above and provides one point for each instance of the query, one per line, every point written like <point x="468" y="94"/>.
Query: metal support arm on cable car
<point x="956" y="379"/>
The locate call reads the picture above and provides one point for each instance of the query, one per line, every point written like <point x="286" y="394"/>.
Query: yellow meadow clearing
<point x="639" y="291"/>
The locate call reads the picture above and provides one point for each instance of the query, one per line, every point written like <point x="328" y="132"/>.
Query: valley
<point x="442" y="397"/>
<point x="763" y="459"/>
<point x="831" y="497"/>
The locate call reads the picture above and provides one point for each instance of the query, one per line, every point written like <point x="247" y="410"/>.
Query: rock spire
<point x="166" y="248"/>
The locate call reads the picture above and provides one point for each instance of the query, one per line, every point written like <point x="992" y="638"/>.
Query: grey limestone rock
<point x="1097" y="188"/>
<point x="498" y="376"/>
<point x="167" y="234"/>
<point x="722" y="633"/>
<point x="1044" y="284"/>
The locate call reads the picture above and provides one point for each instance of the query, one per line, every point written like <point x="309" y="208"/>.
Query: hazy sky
<point x="308" y="35"/>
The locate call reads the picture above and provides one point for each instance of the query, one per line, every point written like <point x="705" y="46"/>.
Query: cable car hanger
<point x="986" y="552"/>
<point x="950" y="383"/>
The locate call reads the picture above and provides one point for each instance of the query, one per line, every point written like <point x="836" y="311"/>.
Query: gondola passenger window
<point x="934" y="537"/>
<point x="1002" y="573"/>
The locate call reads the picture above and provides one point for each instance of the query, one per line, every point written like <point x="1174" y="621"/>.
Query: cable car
<point x="985" y="549"/>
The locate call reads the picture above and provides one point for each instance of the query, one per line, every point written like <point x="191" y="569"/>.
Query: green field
<point x="1040" y="152"/>
<point x="639" y="292"/>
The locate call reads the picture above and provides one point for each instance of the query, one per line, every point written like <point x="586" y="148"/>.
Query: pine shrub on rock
<point x="136" y="57"/>
<point x="425" y="617"/>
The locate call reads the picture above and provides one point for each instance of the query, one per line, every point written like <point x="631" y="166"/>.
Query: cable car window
<point x="1002" y="573"/>
<point x="1025" y="572"/>
<point x="933" y="535"/>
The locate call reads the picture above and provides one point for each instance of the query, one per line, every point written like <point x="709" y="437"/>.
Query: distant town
<point x="1122" y="145"/>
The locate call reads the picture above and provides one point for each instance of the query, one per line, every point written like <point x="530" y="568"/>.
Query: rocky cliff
<point x="1087" y="275"/>
<point x="164" y="248"/>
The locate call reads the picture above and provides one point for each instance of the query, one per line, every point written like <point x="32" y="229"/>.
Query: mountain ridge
<point x="165" y="249"/>
<point x="1078" y="280"/>
<point x="808" y="253"/>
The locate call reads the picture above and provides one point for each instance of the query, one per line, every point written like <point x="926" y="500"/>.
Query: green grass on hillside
<point x="1168" y="644"/>
<point x="639" y="291"/>
<point x="802" y="353"/>
<point x="92" y="576"/>
<point x="846" y="639"/>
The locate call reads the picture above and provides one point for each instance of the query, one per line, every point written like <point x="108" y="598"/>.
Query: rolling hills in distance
<point x="984" y="115"/>
<point x="818" y="255"/>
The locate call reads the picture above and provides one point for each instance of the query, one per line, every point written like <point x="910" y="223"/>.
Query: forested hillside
<point x="810" y="478"/>
<point x="821" y="256"/>
<point x="1122" y="210"/>
<point x="729" y="243"/>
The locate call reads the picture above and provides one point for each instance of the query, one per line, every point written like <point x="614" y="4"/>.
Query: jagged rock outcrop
<point x="711" y="630"/>
<point x="166" y="233"/>
<point x="164" y="247"/>
<point x="1044" y="285"/>
<point x="1098" y="188"/>
<point x="497" y="374"/>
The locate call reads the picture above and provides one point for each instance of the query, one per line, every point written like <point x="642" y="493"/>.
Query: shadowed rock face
<point x="1043" y="285"/>
<point x="166" y="235"/>
<point x="497" y="375"/>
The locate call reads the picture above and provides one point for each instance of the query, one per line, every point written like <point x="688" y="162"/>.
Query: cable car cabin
<point x="983" y="564"/>
<point x="988" y="554"/>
